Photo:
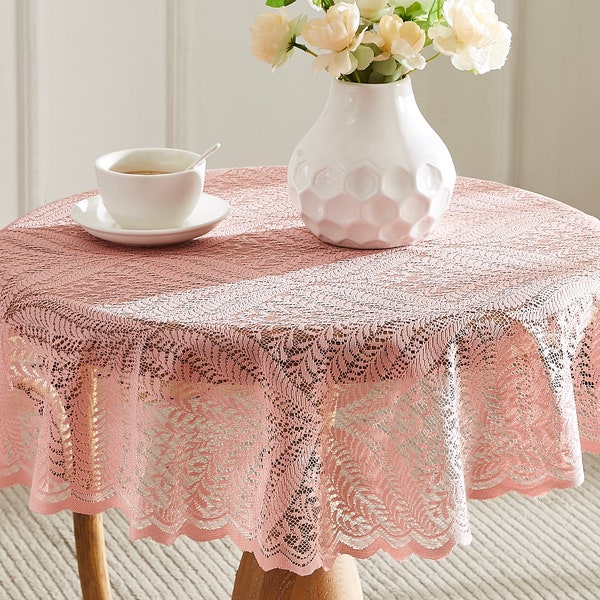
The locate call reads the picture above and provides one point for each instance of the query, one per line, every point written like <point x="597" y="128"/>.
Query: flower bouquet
<point x="381" y="41"/>
<point x="371" y="172"/>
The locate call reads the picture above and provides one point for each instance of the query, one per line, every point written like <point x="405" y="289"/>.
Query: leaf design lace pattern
<point x="305" y="400"/>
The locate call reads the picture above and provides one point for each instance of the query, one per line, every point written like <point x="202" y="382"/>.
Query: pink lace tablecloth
<point x="303" y="399"/>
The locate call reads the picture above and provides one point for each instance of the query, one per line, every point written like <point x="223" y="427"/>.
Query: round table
<point x="305" y="400"/>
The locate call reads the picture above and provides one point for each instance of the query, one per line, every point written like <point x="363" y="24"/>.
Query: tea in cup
<point x="150" y="188"/>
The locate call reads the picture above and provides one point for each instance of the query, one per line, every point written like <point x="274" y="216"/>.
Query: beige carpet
<point x="523" y="548"/>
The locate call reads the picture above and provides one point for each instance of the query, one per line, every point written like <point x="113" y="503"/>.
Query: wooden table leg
<point x="341" y="582"/>
<point x="91" y="557"/>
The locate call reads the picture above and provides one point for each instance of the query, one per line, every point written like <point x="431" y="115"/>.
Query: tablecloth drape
<point x="304" y="399"/>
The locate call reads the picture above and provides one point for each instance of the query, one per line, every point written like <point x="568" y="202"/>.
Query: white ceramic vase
<point x="371" y="172"/>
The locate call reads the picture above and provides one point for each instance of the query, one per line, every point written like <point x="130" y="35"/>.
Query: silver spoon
<point x="203" y="156"/>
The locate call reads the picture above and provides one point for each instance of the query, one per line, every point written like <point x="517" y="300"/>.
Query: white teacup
<point x="149" y="188"/>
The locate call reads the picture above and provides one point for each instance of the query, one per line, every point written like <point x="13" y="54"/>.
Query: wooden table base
<point x="91" y="557"/>
<point x="341" y="582"/>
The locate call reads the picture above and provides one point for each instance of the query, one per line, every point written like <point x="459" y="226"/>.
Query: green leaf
<point x="353" y="63"/>
<point x="435" y="12"/>
<point x="279" y="3"/>
<point x="375" y="77"/>
<point x="385" y="67"/>
<point x="376" y="49"/>
<point x="297" y="25"/>
<point x="427" y="19"/>
<point x="364" y="56"/>
<point x="415" y="11"/>
<point x="324" y="4"/>
<point x="397" y="74"/>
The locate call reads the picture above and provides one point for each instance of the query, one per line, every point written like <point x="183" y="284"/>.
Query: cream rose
<point x="372" y="9"/>
<point x="474" y="38"/>
<point x="403" y="38"/>
<point x="273" y="35"/>
<point x="337" y="31"/>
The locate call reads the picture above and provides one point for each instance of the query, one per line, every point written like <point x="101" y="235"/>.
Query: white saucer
<point x="94" y="218"/>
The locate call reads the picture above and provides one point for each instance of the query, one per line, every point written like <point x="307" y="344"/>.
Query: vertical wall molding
<point x="178" y="43"/>
<point x="507" y="109"/>
<point x="29" y="105"/>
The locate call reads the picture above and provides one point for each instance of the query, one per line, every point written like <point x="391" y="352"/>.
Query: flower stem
<point x="303" y="47"/>
<point x="432" y="57"/>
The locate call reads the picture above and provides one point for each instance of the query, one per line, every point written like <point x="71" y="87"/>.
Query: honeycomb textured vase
<point x="371" y="172"/>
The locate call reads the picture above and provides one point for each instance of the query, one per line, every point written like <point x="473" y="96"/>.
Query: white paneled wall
<point x="81" y="77"/>
<point x="103" y="84"/>
<point x="559" y="100"/>
<point x="257" y="115"/>
<point x="9" y="148"/>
